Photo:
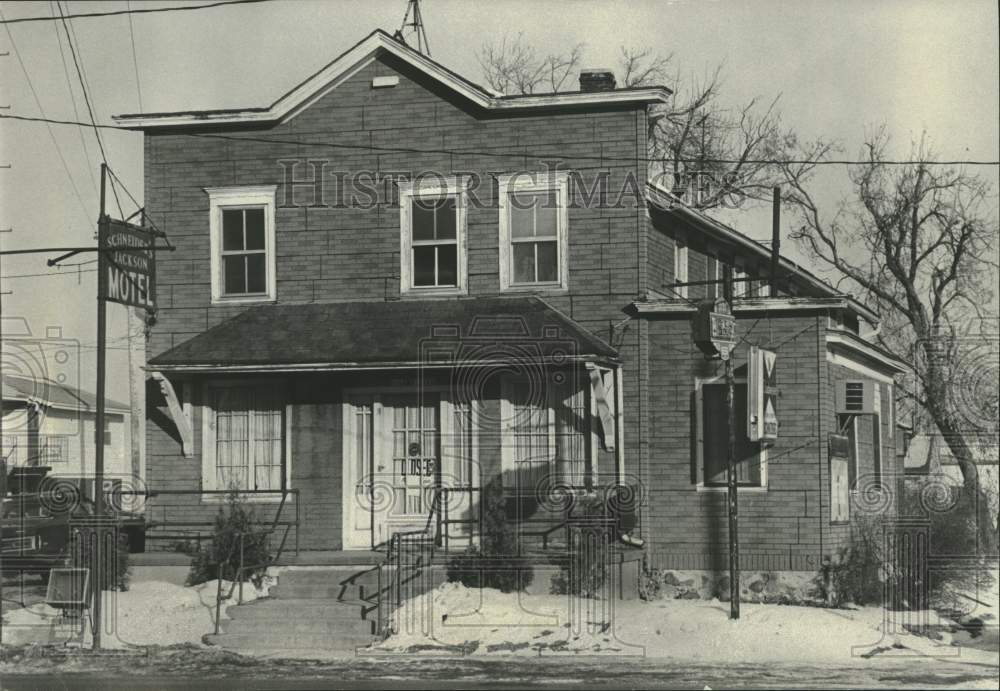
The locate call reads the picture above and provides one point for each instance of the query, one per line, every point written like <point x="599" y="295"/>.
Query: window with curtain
<point x="249" y="437"/>
<point x="547" y="433"/>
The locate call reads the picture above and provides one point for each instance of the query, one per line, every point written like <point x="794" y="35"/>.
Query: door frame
<point x="352" y="398"/>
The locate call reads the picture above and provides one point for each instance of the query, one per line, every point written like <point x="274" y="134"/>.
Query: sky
<point x="841" y="67"/>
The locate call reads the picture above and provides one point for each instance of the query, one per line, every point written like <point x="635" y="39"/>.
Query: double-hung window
<point x="533" y="231"/>
<point x="244" y="437"/>
<point x="242" y="243"/>
<point x="432" y="251"/>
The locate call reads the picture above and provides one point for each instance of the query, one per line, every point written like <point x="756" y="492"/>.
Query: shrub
<point x="858" y="573"/>
<point x="237" y="517"/>
<point x="477" y="566"/>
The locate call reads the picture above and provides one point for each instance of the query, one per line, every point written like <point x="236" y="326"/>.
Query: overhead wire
<point x="41" y="109"/>
<point x="86" y="97"/>
<point x="72" y="96"/>
<point x="130" y="11"/>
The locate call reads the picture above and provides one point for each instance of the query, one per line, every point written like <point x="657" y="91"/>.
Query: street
<point x="206" y="670"/>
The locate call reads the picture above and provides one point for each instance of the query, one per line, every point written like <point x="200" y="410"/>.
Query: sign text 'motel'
<point x="714" y="328"/>
<point x="129" y="267"/>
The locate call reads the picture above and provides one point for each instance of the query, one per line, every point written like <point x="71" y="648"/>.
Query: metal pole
<point x="775" y="238"/>
<point x="98" y="560"/>
<point x="731" y="486"/>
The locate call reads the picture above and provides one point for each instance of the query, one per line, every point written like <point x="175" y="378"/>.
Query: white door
<point x="392" y="453"/>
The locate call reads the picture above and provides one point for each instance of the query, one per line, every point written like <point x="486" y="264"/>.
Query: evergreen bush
<point x="235" y="518"/>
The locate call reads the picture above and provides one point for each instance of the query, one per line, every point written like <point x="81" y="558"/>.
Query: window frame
<point x="507" y="435"/>
<point x="408" y="191"/>
<point x="531" y="183"/>
<point x="701" y="485"/>
<point x="681" y="267"/>
<point x="851" y="431"/>
<point x="208" y="439"/>
<point x="232" y="198"/>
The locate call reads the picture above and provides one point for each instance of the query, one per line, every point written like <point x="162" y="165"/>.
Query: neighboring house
<point x="928" y="458"/>
<point x="442" y="333"/>
<point x="46" y="423"/>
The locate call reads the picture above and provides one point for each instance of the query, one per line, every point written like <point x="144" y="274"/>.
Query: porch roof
<point x="377" y="335"/>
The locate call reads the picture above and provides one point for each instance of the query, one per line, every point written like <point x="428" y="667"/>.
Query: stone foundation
<point x="781" y="587"/>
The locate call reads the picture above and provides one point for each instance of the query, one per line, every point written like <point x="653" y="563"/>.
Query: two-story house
<point x="391" y="280"/>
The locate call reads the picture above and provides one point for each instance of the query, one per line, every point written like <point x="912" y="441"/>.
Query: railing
<point x="188" y="528"/>
<point x="410" y="555"/>
<point x="240" y="570"/>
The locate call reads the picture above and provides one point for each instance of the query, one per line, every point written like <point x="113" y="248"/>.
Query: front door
<point x="393" y="463"/>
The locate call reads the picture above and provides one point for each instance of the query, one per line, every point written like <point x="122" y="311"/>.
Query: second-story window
<point x="533" y="232"/>
<point x="244" y="256"/>
<point x="242" y="243"/>
<point x="432" y="253"/>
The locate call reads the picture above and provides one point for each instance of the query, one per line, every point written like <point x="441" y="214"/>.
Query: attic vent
<point x="385" y="82"/>
<point x="854" y="396"/>
<point x="857" y="397"/>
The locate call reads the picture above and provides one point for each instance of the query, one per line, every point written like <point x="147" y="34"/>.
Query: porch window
<point x="432" y="253"/>
<point x="246" y="437"/>
<point x="533" y="232"/>
<point x="547" y="432"/>
<point x="242" y="243"/>
<point x="713" y="438"/>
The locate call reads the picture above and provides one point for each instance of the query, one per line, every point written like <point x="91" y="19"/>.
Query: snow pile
<point x="149" y="613"/>
<point x="454" y="619"/>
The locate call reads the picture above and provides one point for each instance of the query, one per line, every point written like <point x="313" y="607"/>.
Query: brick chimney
<point x="597" y="79"/>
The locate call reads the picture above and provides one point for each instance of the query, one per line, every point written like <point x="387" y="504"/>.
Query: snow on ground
<point x="490" y="622"/>
<point x="149" y="612"/>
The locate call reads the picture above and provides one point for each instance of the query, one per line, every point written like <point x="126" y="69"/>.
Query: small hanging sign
<point x="714" y="328"/>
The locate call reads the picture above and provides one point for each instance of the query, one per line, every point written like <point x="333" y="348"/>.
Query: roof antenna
<point x="415" y="21"/>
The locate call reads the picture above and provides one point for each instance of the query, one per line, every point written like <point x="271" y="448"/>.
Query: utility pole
<point x="731" y="485"/>
<point x="775" y="238"/>
<point x="98" y="556"/>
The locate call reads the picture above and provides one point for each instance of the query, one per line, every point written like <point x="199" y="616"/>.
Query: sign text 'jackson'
<point x="129" y="267"/>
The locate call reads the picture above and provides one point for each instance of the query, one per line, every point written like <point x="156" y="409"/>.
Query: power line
<point x="518" y="154"/>
<point x="86" y="97"/>
<point x="72" y="96"/>
<point x="182" y="8"/>
<point x="51" y="275"/>
<point x="48" y="125"/>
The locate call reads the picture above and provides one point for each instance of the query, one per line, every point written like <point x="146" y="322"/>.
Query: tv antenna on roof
<point x="414" y="21"/>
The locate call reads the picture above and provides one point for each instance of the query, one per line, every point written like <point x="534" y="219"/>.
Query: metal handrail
<point x="394" y="551"/>
<point x="152" y="522"/>
<point x="238" y="580"/>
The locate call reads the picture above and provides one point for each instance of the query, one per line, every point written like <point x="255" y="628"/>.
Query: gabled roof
<point x="382" y="335"/>
<point x="52" y="394"/>
<point x="668" y="202"/>
<point x="345" y="65"/>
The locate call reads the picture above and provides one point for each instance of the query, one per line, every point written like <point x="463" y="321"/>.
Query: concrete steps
<point x="330" y="611"/>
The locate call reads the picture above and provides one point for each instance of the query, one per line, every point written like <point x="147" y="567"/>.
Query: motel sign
<point x="128" y="266"/>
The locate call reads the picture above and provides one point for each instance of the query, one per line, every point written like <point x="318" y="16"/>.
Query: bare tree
<point x="513" y="66"/>
<point x="919" y="242"/>
<point x="704" y="151"/>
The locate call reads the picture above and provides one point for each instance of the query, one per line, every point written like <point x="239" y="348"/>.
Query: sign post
<point x="126" y="273"/>
<point x="714" y="332"/>
<point x="97" y="546"/>
<point x="732" y="493"/>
